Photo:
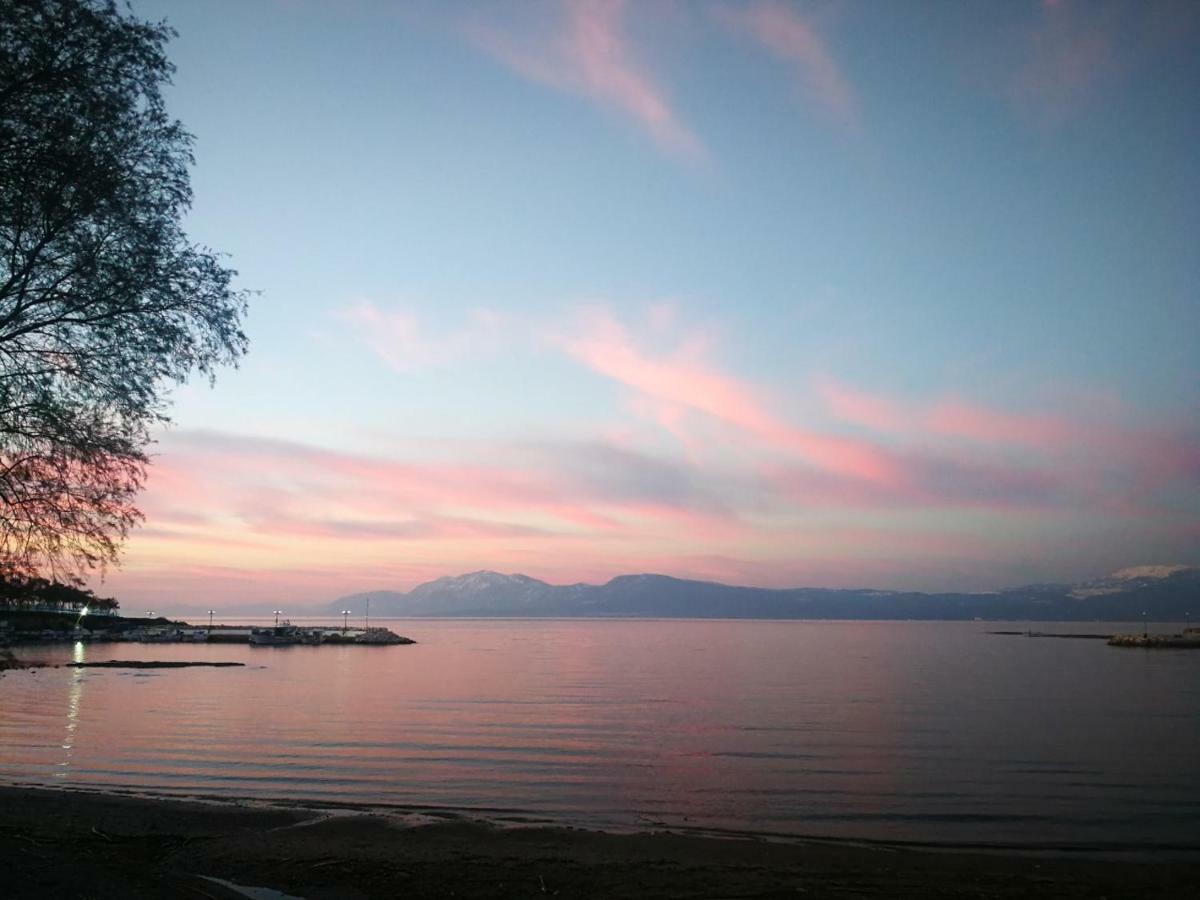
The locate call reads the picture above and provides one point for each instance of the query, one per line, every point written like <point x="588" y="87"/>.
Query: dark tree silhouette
<point x="104" y="301"/>
<point x="39" y="594"/>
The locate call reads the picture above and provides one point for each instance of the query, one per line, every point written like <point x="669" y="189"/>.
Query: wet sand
<point x="78" y="844"/>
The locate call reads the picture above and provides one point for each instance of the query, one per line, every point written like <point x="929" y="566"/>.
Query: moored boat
<point x="160" y="636"/>
<point x="276" y="636"/>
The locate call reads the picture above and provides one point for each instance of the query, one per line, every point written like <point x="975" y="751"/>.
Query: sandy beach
<point x="77" y="844"/>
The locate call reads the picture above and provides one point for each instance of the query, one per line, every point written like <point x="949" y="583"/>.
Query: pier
<point x="270" y="636"/>
<point x="29" y="627"/>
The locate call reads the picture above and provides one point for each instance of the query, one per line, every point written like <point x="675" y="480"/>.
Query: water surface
<point x="888" y="730"/>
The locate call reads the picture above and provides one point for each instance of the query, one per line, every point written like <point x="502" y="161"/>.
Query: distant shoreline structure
<point x="1158" y="594"/>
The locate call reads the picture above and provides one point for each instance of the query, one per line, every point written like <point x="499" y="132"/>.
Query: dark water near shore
<point x="914" y="731"/>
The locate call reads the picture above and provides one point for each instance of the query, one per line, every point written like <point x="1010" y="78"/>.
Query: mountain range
<point x="1161" y="593"/>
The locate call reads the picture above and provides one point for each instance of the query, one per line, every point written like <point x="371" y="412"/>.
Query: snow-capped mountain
<point x="1137" y="578"/>
<point x="1163" y="593"/>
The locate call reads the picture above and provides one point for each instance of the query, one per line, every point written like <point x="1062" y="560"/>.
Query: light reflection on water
<point x="74" y="697"/>
<point x="926" y="731"/>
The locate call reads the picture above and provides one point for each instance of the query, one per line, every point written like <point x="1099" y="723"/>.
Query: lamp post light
<point x="345" y="620"/>
<point x="277" y="613"/>
<point x="210" y="615"/>
<point x="150" y="614"/>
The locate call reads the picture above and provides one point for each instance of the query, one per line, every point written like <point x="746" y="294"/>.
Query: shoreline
<point x="65" y="842"/>
<point x="405" y="815"/>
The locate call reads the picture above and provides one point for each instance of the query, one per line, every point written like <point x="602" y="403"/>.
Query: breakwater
<point x="1189" y="638"/>
<point x="18" y="627"/>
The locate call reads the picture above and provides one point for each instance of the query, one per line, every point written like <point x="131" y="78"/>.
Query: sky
<point x="845" y="293"/>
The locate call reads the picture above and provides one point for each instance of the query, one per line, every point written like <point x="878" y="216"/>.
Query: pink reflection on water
<point x="918" y="730"/>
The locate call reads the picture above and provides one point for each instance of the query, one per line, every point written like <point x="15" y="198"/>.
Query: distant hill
<point x="1164" y="593"/>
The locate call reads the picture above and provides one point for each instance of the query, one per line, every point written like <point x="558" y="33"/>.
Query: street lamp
<point x="345" y="620"/>
<point x="150" y="614"/>
<point x="367" y="619"/>
<point x="277" y="614"/>
<point x="210" y="615"/>
<point x="1144" y="632"/>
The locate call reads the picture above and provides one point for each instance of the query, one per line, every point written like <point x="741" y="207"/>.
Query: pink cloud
<point x="591" y="55"/>
<point x="943" y="477"/>
<point x="1066" y="55"/>
<point x="1099" y="461"/>
<point x="942" y="482"/>
<point x="1172" y="452"/>
<point x="261" y="506"/>
<point x="859" y="408"/>
<point x="244" y="489"/>
<point x="258" y="506"/>
<point x="683" y="381"/>
<point x="1072" y="51"/>
<point x="917" y="459"/>
<point x="958" y="418"/>
<point x="949" y="417"/>
<point x="1015" y="461"/>
<point x="791" y="37"/>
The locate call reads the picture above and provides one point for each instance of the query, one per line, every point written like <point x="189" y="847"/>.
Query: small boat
<point x="161" y="636"/>
<point x="277" y="636"/>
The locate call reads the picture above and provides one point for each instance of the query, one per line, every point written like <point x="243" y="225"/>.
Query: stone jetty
<point x="1188" y="638"/>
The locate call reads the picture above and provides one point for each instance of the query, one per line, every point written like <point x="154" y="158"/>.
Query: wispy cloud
<point x="590" y="53"/>
<point x="1067" y="54"/>
<point x="562" y="509"/>
<point x="404" y="342"/>
<point x="793" y="38"/>
<point x="683" y="381"/>
<point x="942" y="453"/>
<point x="959" y="418"/>
<point x="1073" y="49"/>
<point x="1081" y="452"/>
<point x="857" y="407"/>
<point x="213" y="485"/>
<point x="949" y="417"/>
<point x="865" y="478"/>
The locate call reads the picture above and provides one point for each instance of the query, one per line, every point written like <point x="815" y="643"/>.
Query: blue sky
<point x="846" y="293"/>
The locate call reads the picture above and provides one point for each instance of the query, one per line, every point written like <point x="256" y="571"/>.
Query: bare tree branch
<point x="104" y="301"/>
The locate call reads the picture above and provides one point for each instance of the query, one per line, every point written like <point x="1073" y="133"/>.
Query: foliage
<point x="104" y="301"/>
<point x="31" y="592"/>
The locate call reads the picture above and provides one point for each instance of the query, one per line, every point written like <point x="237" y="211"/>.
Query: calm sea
<point x="888" y="730"/>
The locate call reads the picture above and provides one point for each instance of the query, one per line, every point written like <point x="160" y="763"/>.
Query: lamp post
<point x="150" y="614"/>
<point x="1144" y="631"/>
<point x="345" y="620"/>
<point x="210" y="615"/>
<point x="367" y="618"/>
<point x="277" y="612"/>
